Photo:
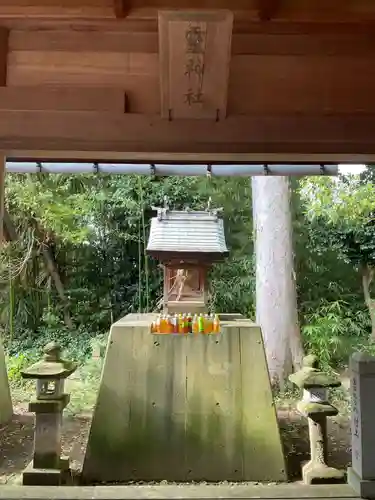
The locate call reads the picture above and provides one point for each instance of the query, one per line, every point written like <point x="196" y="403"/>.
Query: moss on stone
<point x="309" y="409"/>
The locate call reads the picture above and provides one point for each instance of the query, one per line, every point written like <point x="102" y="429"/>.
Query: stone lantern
<point x="186" y="243"/>
<point x="316" y="408"/>
<point x="47" y="466"/>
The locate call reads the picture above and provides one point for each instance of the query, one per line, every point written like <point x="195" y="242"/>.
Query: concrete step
<point x="177" y="491"/>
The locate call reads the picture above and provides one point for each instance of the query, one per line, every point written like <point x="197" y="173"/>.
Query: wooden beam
<point x="120" y="8"/>
<point x="259" y="39"/>
<point x="54" y="9"/>
<point x="2" y="196"/>
<point x="134" y="133"/>
<point x="4" y="42"/>
<point x="304" y="10"/>
<point x="50" y="98"/>
<point x="267" y="9"/>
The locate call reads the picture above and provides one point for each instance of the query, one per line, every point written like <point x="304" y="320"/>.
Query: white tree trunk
<point x="276" y="301"/>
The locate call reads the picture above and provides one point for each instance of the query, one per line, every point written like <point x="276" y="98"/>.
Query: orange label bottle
<point x="216" y="324"/>
<point x="164" y="324"/>
<point x="208" y="324"/>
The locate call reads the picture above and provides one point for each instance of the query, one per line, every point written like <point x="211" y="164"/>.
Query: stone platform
<point x="177" y="491"/>
<point x="184" y="408"/>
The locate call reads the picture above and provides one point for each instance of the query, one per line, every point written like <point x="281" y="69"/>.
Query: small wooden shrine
<point x="187" y="243"/>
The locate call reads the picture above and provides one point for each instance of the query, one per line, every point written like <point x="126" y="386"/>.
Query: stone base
<point x="118" y="449"/>
<point x="47" y="477"/>
<point x="313" y="473"/>
<point x="362" y="487"/>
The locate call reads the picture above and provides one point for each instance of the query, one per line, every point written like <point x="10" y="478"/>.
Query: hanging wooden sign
<point x="194" y="51"/>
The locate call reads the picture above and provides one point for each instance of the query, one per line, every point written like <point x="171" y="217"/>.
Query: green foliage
<point x="17" y="363"/>
<point x="96" y="229"/>
<point x="332" y="330"/>
<point x="84" y="386"/>
<point x="233" y="286"/>
<point x="339" y="216"/>
<point x="59" y="203"/>
<point x="344" y="201"/>
<point x="340" y="213"/>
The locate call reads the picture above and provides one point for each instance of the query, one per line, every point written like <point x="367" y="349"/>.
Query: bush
<point x="333" y="330"/>
<point x="17" y="363"/>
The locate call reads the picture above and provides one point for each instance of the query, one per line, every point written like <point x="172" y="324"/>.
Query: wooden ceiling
<point x="250" y="10"/>
<point x="101" y="79"/>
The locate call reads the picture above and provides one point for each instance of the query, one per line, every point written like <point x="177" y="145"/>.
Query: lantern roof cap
<point x="51" y="366"/>
<point x="310" y="377"/>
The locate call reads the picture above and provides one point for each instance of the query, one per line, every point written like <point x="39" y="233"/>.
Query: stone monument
<point x="47" y="466"/>
<point x="361" y="475"/>
<point x="316" y="408"/>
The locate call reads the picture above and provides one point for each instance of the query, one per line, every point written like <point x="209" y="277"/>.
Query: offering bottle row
<point x="186" y="323"/>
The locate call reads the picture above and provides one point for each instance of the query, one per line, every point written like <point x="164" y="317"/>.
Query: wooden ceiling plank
<point x="298" y="133"/>
<point x="296" y="42"/>
<point x="73" y="40"/>
<point x="50" y="98"/>
<point x="149" y="24"/>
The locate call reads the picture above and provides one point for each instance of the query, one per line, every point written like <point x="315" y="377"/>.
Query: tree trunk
<point x="11" y="235"/>
<point x="367" y="276"/>
<point x="54" y="273"/>
<point x="276" y="298"/>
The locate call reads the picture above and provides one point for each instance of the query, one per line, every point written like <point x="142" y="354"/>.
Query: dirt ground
<point x="16" y="440"/>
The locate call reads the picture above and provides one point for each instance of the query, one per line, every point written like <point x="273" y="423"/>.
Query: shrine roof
<point x="187" y="232"/>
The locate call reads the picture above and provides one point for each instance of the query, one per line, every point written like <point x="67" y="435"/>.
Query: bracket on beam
<point x="120" y="8"/>
<point x="267" y="9"/>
